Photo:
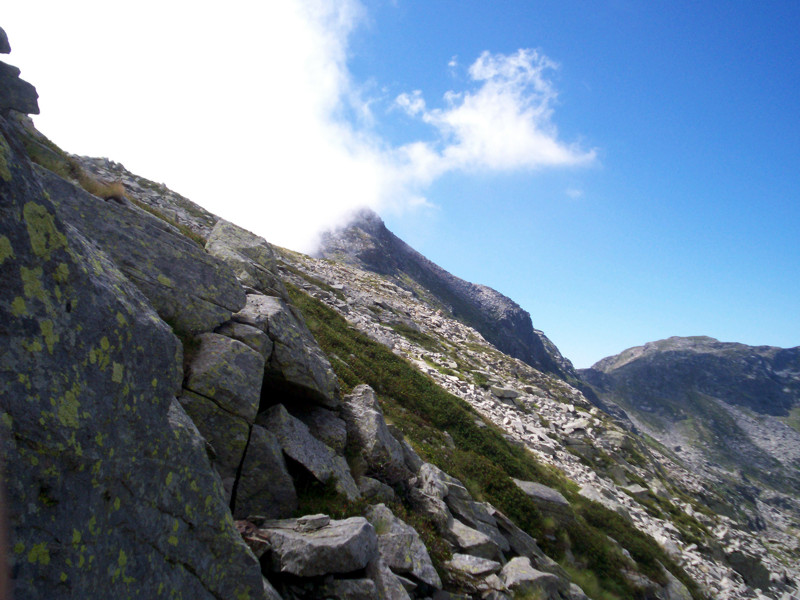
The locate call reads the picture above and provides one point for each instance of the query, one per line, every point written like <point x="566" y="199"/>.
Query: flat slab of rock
<point x="325" y="426"/>
<point x="226" y="432"/>
<point x="251" y="257"/>
<point x="229" y="373"/>
<point x="471" y="541"/>
<point x="521" y="578"/>
<point x="298" y="443"/>
<point x="338" y="547"/>
<point x="15" y="93"/>
<point x="247" y="334"/>
<point x="190" y="289"/>
<point x="368" y="434"/>
<point x="551" y="502"/>
<point x="264" y="487"/>
<point x="473" y="565"/>
<point x="400" y="546"/>
<point x="297" y="363"/>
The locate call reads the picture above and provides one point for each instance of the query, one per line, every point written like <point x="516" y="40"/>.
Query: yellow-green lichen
<point x="61" y="273"/>
<point x="68" y="407"/>
<point x="5" y="152"/>
<point x="18" y="307"/>
<point x="76" y="537"/>
<point x="6" y="251"/>
<point x="164" y="280"/>
<point x="50" y="337"/>
<point x="121" y="319"/>
<point x="32" y="282"/>
<point x="116" y="372"/>
<point x="42" y="231"/>
<point x="39" y="554"/>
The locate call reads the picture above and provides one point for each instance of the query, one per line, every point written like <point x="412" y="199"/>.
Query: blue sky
<point x="625" y="171"/>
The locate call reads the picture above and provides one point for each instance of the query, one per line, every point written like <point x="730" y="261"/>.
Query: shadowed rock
<point x="264" y="487"/>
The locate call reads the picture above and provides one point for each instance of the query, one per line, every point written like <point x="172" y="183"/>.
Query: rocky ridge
<point x="555" y="421"/>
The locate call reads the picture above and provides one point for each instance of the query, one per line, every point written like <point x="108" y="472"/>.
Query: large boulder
<point x="327" y="547"/>
<point x="15" y="93"/>
<point x="325" y="426"/>
<point x="297" y="366"/>
<point x="400" y="546"/>
<point x="549" y="501"/>
<point x="471" y="541"/>
<point x="298" y="443"/>
<point x="108" y="485"/>
<point x="473" y="565"/>
<point x="255" y="338"/>
<point x="368" y="435"/>
<point x="227" y="433"/>
<point x="264" y="487"/>
<point x="228" y="372"/>
<point x="190" y="289"/>
<point x="521" y="578"/>
<point x="5" y="47"/>
<point x="250" y="257"/>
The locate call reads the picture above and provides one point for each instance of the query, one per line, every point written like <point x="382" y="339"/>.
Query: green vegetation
<point x="484" y="458"/>
<point x="416" y="336"/>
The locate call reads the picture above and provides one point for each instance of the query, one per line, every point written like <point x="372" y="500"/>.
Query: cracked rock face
<point x="89" y="419"/>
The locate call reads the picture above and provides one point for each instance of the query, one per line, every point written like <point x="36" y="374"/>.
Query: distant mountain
<point x="720" y="406"/>
<point x="369" y="245"/>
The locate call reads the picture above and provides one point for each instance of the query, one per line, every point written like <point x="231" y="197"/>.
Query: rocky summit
<point x="187" y="411"/>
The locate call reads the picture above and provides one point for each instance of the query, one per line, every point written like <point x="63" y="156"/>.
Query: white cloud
<point x="505" y="123"/>
<point x="574" y="193"/>
<point x="252" y="112"/>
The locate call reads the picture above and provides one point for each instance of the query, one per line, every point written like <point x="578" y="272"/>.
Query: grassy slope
<point x="483" y="459"/>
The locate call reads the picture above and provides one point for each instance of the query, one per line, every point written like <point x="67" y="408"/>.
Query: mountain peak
<point x="368" y="244"/>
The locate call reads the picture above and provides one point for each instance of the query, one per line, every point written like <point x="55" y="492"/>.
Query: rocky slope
<point x="368" y="244"/>
<point x="187" y="411"/>
<point x="726" y="410"/>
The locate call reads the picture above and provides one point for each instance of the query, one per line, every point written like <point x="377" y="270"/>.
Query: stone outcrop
<point x="369" y="436"/>
<point x="15" y="93"/>
<point x="330" y="547"/>
<point x="297" y="366"/>
<point x="401" y="548"/>
<point x="298" y="443"/>
<point x="109" y="484"/>
<point x="250" y="257"/>
<point x="190" y="290"/>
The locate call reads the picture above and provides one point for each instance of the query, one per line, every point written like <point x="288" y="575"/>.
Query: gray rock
<point x="229" y="373"/>
<point x="471" y="541"/>
<point x="548" y="500"/>
<point x="674" y="589"/>
<point x="375" y="491"/>
<point x="523" y="544"/>
<point x="250" y="257"/>
<point x="297" y="364"/>
<point x="400" y="546"/>
<point x="349" y="589"/>
<point x="247" y="334"/>
<point x="325" y="426"/>
<point x="472" y="565"/>
<point x="504" y="393"/>
<point x="5" y="47"/>
<point x="15" y="93"/>
<point x="338" y="547"/>
<point x="576" y="593"/>
<point x="367" y="433"/>
<point x="107" y="481"/>
<point x="298" y="443"/>
<point x="590" y="492"/>
<point x="226" y="432"/>
<point x="412" y="459"/>
<point x="264" y="487"/>
<point x="521" y="578"/>
<point x="750" y="568"/>
<point x="426" y="495"/>
<point x="191" y="290"/>
<point x="388" y="585"/>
